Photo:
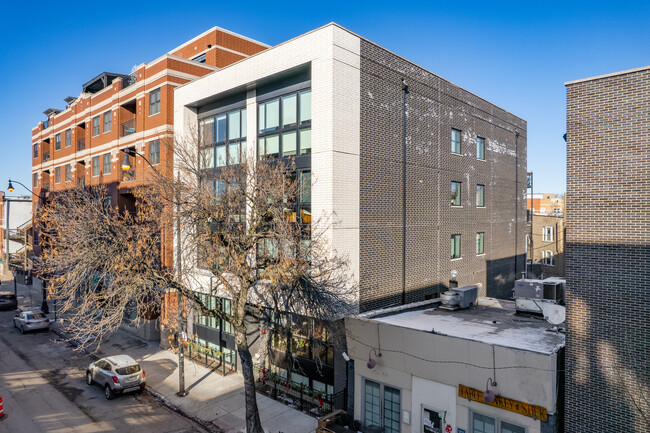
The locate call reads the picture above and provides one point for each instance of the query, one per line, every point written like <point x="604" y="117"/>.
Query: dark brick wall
<point x="608" y="254"/>
<point x="434" y="106"/>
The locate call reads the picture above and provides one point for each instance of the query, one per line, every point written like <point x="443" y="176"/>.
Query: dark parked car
<point x="8" y="301"/>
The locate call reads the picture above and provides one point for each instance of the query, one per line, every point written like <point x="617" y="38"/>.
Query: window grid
<point x="154" y="152"/>
<point x="547" y="235"/>
<point x="391" y="410"/>
<point x="68" y="137"/>
<point x="455" y="141"/>
<point x="68" y="173"/>
<point x="95" y="126"/>
<point x="58" y="142"/>
<point x="486" y="424"/>
<point x="95" y="165"/>
<point x="284" y="126"/>
<point x="223" y="139"/>
<point x="372" y="410"/>
<point x="107" y="163"/>
<point x="547" y="257"/>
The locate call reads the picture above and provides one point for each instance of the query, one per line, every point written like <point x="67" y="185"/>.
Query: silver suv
<point x="117" y="374"/>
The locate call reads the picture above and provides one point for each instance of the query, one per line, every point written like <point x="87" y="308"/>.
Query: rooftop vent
<point x="459" y="298"/>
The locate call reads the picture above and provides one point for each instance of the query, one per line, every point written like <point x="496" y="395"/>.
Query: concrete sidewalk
<point x="213" y="399"/>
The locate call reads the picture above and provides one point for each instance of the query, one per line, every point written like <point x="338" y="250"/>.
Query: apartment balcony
<point x="81" y="144"/>
<point x="127" y="128"/>
<point x="46" y="156"/>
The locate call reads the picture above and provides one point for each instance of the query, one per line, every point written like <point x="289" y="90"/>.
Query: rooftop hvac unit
<point x="458" y="298"/>
<point x="532" y="295"/>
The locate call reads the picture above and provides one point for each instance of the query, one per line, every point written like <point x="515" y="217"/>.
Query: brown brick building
<point x="608" y="253"/>
<point x="81" y="144"/>
<point x="545" y="244"/>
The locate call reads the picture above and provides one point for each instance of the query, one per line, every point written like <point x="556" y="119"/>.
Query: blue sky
<point x="515" y="54"/>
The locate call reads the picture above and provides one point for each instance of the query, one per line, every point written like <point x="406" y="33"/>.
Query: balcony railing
<point x="46" y="156"/>
<point x="127" y="128"/>
<point x="81" y="144"/>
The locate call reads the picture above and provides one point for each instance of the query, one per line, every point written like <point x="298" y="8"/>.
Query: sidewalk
<point x="214" y="399"/>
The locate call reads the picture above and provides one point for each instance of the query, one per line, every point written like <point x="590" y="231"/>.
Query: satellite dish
<point x="554" y="314"/>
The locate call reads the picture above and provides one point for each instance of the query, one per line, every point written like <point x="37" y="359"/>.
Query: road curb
<point x="171" y="406"/>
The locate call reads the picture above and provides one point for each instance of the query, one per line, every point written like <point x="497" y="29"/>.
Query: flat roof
<point x="613" y="74"/>
<point x="492" y="321"/>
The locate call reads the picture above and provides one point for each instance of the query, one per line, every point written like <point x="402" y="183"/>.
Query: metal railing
<point x="81" y="144"/>
<point x="127" y="128"/>
<point x="309" y="400"/>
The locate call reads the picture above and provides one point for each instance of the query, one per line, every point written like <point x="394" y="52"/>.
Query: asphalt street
<point x="43" y="389"/>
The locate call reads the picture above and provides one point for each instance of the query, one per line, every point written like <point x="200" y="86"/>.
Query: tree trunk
<point x="253" y="423"/>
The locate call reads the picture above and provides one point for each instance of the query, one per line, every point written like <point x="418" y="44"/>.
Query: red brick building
<point x="81" y="144"/>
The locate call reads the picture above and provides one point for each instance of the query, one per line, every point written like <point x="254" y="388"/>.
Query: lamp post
<point x="126" y="165"/>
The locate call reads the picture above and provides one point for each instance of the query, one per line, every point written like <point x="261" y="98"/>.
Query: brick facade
<point x="608" y="253"/>
<point x="434" y="107"/>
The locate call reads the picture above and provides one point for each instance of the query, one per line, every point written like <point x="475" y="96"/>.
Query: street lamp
<point x="126" y="165"/>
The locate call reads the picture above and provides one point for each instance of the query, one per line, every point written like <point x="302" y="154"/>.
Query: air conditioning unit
<point x="459" y="298"/>
<point x="532" y="295"/>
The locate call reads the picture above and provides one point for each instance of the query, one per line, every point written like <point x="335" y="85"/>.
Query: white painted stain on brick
<point x="497" y="147"/>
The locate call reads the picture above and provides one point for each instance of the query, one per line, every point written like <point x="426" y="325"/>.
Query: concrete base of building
<point x="148" y="330"/>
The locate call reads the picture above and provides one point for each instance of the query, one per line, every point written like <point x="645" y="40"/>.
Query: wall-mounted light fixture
<point x="371" y="362"/>
<point x="488" y="395"/>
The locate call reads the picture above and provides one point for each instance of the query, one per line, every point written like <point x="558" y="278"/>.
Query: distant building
<point x="608" y="253"/>
<point x="14" y="213"/>
<point x="545" y="245"/>
<point x="545" y="203"/>
<point x="431" y="368"/>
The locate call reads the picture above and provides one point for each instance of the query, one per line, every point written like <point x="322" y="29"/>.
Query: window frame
<point x="480" y="148"/>
<point x="213" y="148"/>
<point x="96" y="127"/>
<point x="548" y="258"/>
<point x="95" y="167"/>
<point x="154" y="103"/>
<point x="455" y="151"/>
<point x="68" y="173"/>
<point x="456" y="247"/>
<point x="497" y="422"/>
<point x="57" y="174"/>
<point x="35" y="150"/>
<point x="382" y="404"/>
<point x="480" y="242"/>
<point x="57" y="141"/>
<point x="68" y="137"/>
<point x="480" y="187"/>
<point x="107" y="115"/>
<point x="35" y="180"/>
<point x="457" y="199"/>
<point x="548" y="233"/>
<point x="156" y="160"/>
<point x="106" y="162"/>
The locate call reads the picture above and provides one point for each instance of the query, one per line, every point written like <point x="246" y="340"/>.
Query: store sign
<point x="535" y="412"/>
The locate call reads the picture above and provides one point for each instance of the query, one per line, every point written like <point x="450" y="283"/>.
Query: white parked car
<point x="117" y="375"/>
<point x="31" y="320"/>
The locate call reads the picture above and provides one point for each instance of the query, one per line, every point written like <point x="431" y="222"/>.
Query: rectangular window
<point x="68" y="173"/>
<point x="68" y="137"/>
<point x="486" y="424"/>
<point x="455" y="141"/>
<point x="480" y="247"/>
<point x="547" y="235"/>
<point x="154" y="102"/>
<point x="480" y="148"/>
<point x="95" y="165"/>
<point x="455" y="193"/>
<point x="107" y="121"/>
<point x="480" y="195"/>
<point x="35" y="180"/>
<point x="58" y="142"/>
<point x="455" y="246"/>
<point x="200" y="58"/>
<point x="382" y="406"/>
<point x="107" y="163"/>
<point x="284" y="126"/>
<point x="154" y="152"/>
<point x="224" y="138"/>
<point x="36" y="150"/>
<point x="547" y="258"/>
<point x="57" y="172"/>
<point x="95" y="126"/>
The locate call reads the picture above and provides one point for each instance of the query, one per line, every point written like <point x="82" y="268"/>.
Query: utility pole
<point x="181" y="355"/>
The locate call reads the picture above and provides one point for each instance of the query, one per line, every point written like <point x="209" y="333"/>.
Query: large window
<point x="223" y="139"/>
<point x="95" y="165"/>
<point x="154" y="102"/>
<point x="480" y="195"/>
<point x="154" y="152"/>
<point x="455" y="141"/>
<point x="57" y="142"/>
<point x="480" y="148"/>
<point x="284" y="126"/>
<point x="547" y="235"/>
<point x="480" y="246"/>
<point x="36" y="150"/>
<point x="456" y="193"/>
<point x="455" y="246"/>
<point x="107" y="163"/>
<point x="381" y="406"/>
<point x="486" y="424"/>
<point x="68" y="137"/>
<point x="95" y="126"/>
<point x="107" y="121"/>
